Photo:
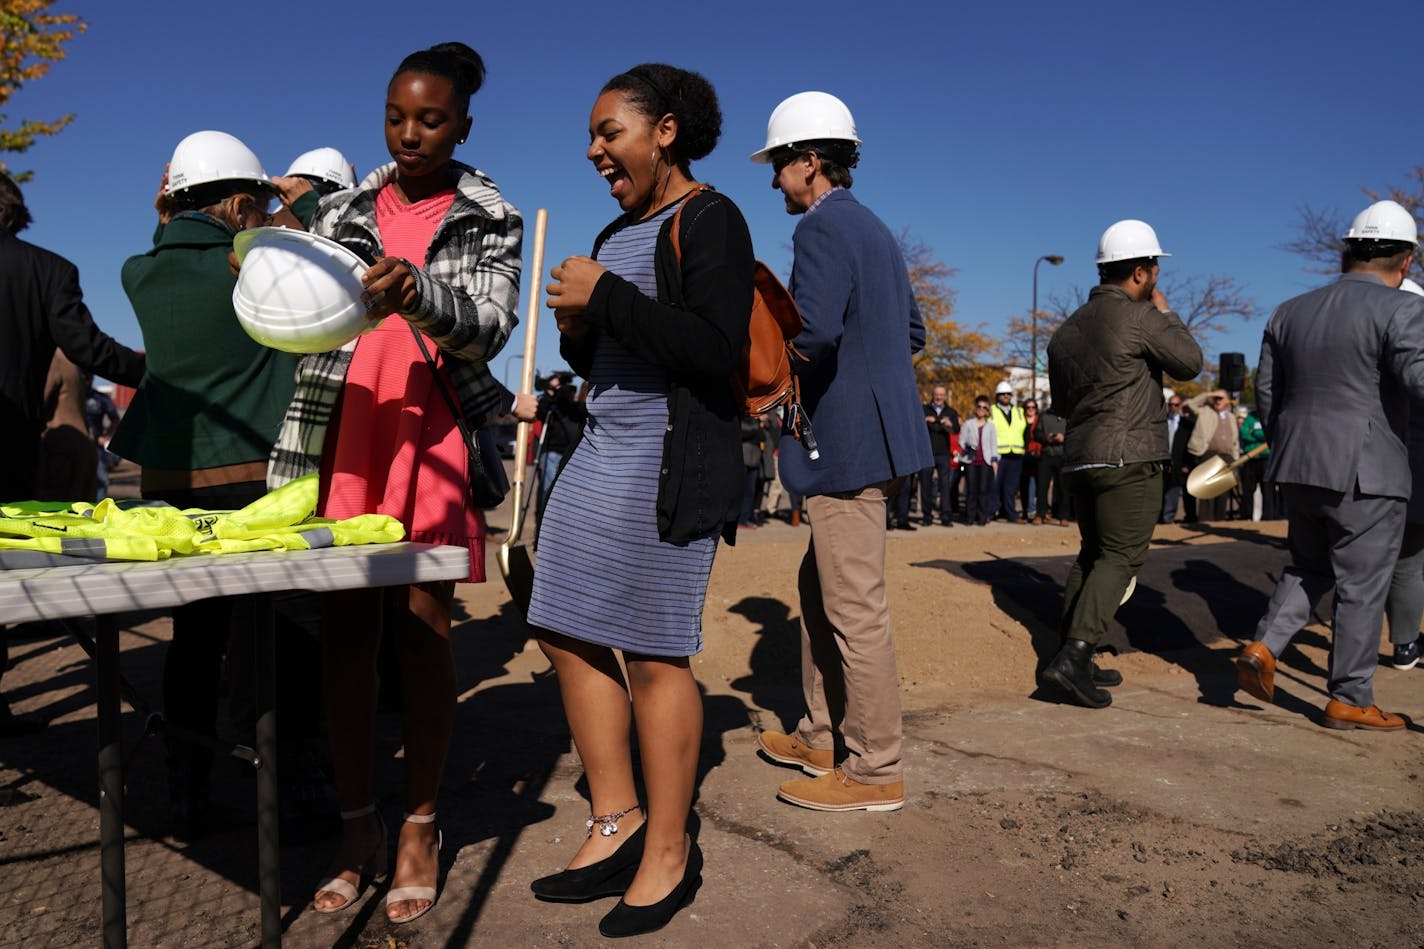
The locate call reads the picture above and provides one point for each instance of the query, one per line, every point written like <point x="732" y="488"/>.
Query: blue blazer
<point x="861" y="328"/>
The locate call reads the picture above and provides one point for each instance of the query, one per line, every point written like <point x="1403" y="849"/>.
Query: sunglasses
<point x="778" y="162"/>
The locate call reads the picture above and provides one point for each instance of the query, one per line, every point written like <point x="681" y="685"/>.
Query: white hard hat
<point x="1384" y="221"/>
<point x="1003" y="387"/>
<point x="328" y="164"/>
<point x="1129" y="240"/>
<point x="807" y="117"/>
<point x="298" y="292"/>
<point x="212" y="156"/>
<point x="1411" y="287"/>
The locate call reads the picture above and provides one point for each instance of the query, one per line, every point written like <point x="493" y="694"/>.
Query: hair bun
<point x="469" y="63"/>
<point x="657" y="89"/>
<point x="453" y="61"/>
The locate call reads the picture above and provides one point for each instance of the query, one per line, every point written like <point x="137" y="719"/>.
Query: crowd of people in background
<point x="967" y="484"/>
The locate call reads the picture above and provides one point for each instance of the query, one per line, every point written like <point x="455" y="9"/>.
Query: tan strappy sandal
<point x="402" y="893"/>
<point x="375" y="865"/>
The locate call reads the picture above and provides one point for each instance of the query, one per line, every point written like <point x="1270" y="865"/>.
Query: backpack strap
<point x="676" y="232"/>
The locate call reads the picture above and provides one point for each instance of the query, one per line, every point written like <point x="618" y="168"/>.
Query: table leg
<point x="268" y="855"/>
<point x="111" y="784"/>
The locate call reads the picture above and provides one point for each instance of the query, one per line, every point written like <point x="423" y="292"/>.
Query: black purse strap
<point x="475" y="460"/>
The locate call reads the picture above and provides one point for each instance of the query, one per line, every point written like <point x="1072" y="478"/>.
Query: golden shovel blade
<point x="1212" y="478"/>
<point x="518" y="570"/>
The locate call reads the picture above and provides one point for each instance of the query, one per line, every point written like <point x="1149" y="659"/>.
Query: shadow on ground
<point x="774" y="682"/>
<point x="1188" y="596"/>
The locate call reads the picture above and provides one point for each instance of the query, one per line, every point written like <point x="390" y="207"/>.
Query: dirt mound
<point x="1384" y="850"/>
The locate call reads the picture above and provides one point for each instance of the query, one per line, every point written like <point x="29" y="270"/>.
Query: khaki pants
<point x="772" y="503"/>
<point x="848" y="673"/>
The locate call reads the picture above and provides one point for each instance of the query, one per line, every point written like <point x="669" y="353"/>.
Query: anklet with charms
<point x="608" y="823"/>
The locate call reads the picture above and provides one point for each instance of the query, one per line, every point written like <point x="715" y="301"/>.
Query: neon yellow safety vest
<point x="283" y="519"/>
<point x="1010" y="430"/>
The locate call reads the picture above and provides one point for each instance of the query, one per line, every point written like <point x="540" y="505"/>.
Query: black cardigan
<point x="696" y="330"/>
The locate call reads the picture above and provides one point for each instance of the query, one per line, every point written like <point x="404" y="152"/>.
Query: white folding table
<point x="105" y="589"/>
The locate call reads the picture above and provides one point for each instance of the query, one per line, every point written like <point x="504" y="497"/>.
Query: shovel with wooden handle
<point x="514" y="560"/>
<point x="1214" y="477"/>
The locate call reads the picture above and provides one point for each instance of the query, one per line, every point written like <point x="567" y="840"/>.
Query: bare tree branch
<point x="1318" y="232"/>
<point x="1207" y="304"/>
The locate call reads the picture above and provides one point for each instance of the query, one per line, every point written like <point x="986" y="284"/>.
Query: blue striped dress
<point x="603" y="576"/>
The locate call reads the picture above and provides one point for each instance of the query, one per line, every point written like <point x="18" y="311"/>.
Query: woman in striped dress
<point x="628" y="537"/>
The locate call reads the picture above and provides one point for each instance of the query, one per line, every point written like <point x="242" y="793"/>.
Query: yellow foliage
<point x="31" y="40"/>
<point x="954" y="356"/>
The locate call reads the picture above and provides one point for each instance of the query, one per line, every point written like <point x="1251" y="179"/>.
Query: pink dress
<point x="395" y="448"/>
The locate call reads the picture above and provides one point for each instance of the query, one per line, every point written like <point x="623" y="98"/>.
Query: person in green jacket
<point x="205" y="415"/>
<point x="1253" y="473"/>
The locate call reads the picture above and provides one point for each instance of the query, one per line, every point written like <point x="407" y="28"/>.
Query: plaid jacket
<point x="466" y="302"/>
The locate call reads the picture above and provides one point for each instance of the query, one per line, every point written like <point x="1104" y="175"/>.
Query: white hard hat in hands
<point x="1411" y="287"/>
<point x="807" y="117"/>
<point x="298" y="292"/>
<point x="1129" y="240"/>
<point x="1003" y="388"/>
<point x="1384" y="221"/>
<point x="327" y="164"/>
<point x="209" y="156"/>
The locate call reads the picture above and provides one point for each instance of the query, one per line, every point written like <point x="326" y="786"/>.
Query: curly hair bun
<point x="453" y="61"/>
<point x="657" y="89"/>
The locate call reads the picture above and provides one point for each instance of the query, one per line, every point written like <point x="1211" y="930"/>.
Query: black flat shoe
<point x="626" y="920"/>
<point x="610" y="876"/>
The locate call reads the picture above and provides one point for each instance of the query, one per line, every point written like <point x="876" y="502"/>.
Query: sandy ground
<point x="1183" y="815"/>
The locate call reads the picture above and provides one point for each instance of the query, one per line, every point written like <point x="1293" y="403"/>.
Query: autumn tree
<point x="1318" y="232"/>
<point x="954" y="356"/>
<point x="31" y="39"/>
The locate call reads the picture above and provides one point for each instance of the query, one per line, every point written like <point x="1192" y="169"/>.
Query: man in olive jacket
<point x="1105" y="365"/>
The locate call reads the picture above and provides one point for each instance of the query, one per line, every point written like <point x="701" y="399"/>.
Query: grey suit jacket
<point x="1338" y="366"/>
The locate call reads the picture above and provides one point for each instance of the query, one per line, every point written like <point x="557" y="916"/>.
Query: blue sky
<point x="993" y="132"/>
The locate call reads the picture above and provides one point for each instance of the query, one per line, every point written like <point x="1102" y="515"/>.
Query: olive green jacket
<point x="1105" y="366"/>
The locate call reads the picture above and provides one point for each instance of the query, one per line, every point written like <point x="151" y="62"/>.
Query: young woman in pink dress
<point x="369" y="416"/>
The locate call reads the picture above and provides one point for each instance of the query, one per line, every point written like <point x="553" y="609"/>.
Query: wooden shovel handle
<point x="531" y="332"/>
<point x="1248" y="456"/>
<point x="526" y="380"/>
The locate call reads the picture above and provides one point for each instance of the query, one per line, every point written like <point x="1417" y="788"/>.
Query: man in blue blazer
<point x="1338" y="368"/>
<point x="861" y="327"/>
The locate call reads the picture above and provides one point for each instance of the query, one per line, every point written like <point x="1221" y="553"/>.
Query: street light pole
<point x="1055" y="260"/>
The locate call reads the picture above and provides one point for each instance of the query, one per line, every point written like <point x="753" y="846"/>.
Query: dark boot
<point x="1106" y="677"/>
<point x="1072" y="671"/>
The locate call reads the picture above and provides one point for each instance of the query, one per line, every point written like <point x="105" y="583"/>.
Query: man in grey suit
<point x="1338" y="366"/>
